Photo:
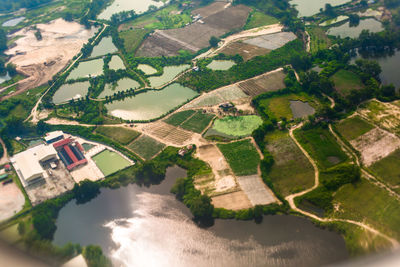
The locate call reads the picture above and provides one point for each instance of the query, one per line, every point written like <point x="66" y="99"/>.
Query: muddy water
<point x="122" y="85"/>
<point x="116" y="63"/>
<point x="301" y="109"/>
<point x="345" y="30"/>
<point x="87" y="68"/>
<point x="310" y="7"/>
<point x="139" y="6"/>
<point x="70" y="91"/>
<point x="169" y="73"/>
<point x="221" y="64"/>
<point x="151" y="104"/>
<point x="147" y="227"/>
<point x="104" y="47"/>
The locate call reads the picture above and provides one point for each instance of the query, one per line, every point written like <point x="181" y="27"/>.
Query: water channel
<point x="139" y="6"/>
<point x="138" y="226"/>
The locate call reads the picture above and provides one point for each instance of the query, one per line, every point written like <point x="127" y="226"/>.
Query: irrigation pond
<point x="121" y="85"/>
<point x="345" y="30"/>
<point x="147" y="69"/>
<point x="87" y="68"/>
<point x="169" y="73"/>
<point x="221" y="64"/>
<point x="139" y="6"/>
<point x="104" y="47"/>
<point x="109" y="162"/>
<point x="147" y="226"/>
<point x="308" y="8"/>
<point x="151" y="104"/>
<point x="71" y="91"/>
<point x="116" y="63"/>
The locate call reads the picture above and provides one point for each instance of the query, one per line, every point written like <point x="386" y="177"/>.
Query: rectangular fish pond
<point x="121" y="85"/>
<point x="151" y="104"/>
<point x="104" y="47"/>
<point x="71" y="91"/>
<point x="170" y="72"/>
<point x="109" y="162"/>
<point x="87" y="68"/>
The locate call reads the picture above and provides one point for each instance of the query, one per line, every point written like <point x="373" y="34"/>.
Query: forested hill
<point x="10" y="5"/>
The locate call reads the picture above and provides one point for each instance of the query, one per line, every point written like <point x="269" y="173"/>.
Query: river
<point x="139" y="226"/>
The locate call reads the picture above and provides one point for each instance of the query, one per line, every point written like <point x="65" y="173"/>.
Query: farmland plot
<point x="198" y="122"/>
<point x="385" y="115"/>
<point x="246" y="51"/>
<point x="169" y="133"/>
<point x="264" y="83"/>
<point x="272" y="41"/>
<point x="353" y="127"/>
<point x="146" y="147"/>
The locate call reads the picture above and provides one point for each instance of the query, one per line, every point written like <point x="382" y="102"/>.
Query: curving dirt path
<point x="5" y="158"/>
<point x="290" y="198"/>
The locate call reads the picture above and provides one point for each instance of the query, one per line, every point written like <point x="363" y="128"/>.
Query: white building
<point x="54" y="136"/>
<point x="28" y="164"/>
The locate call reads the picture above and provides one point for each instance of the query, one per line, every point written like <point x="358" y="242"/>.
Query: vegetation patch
<point x="321" y="145"/>
<point x="242" y="157"/>
<point x="146" y="147"/>
<point x="388" y="168"/>
<point x="178" y="118"/>
<point x="237" y="126"/>
<point x="345" y="81"/>
<point x="133" y="38"/>
<point x="319" y="39"/>
<point x="258" y="19"/>
<point x="292" y="171"/>
<point x="353" y="127"/>
<point x="198" y="122"/>
<point x="118" y="134"/>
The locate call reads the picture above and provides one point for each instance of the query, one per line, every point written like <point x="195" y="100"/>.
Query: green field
<point x="146" y="147"/>
<point x="388" y="168"/>
<point x="258" y="19"/>
<point x="118" y="134"/>
<point x="291" y="171"/>
<point x="279" y="106"/>
<point x="353" y="127"/>
<point x="110" y="162"/>
<point x="133" y="38"/>
<point x="322" y="146"/>
<point x="178" y="118"/>
<point x="370" y="204"/>
<point x="319" y="39"/>
<point x="345" y="81"/>
<point x="242" y="156"/>
<point x="237" y="126"/>
<point x="198" y="122"/>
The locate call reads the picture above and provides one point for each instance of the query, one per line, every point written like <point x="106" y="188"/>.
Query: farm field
<point x="178" y="118"/>
<point x="246" y="51"/>
<point x="385" y="115"/>
<point x="264" y="83"/>
<point x="146" y="147"/>
<point x="388" y="168"/>
<point x="168" y="133"/>
<point x="118" y="134"/>
<point x="366" y="202"/>
<point x="291" y="171"/>
<point x="133" y="38"/>
<point x="258" y="19"/>
<point x="281" y="106"/>
<point x="242" y="157"/>
<point x="198" y="122"/>
<point x="319" y="39"/>
<point x="322" y="146"/>
<point x="353" y="127"/>
<point x="272" y="41"/>
<point x="195" y="36"/>
<point x="345" y="81"/>
<point x="237" y="126"/>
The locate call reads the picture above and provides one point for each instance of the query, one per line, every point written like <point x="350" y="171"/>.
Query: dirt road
<point x="5" y="158"/>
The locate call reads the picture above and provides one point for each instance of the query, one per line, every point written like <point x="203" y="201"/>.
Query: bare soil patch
<point x="41" y="60"/>
<point x="232" y="201"/>
<point x="271" y="81"/>
<point x="216" y="21"/>
<point x="256" y="190"/>
<point x="386" y="115"/>
<point x="246" y="51"/>
<point x="375" y="145"/>
<point x="11" y="200"/>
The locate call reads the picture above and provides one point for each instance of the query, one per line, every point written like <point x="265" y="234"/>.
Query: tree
<point x="3" y="40"/>
<point x="95" y="258"/>
<point x="201" y="208"/>
<point x="11" y="69"/>
<point x="354" y="20"/>
<point x="214" y="41"/>
<point x="330" y="11"/>
<point x="68" y="16"/>
<point x="85" y="191"/>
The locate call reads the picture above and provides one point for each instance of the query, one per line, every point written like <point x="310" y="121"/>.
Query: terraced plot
<point x="146" y="147"/>
<point x="178" y="118"/>
<point x="169" y="133"/>
<point x="264" y="83"/>
<point x="198" y="122"/>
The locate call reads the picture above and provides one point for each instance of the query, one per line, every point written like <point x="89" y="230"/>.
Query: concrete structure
<point x="70" y="152"/>
<point x="28" y="164"/>
<point x="54" y="137"/>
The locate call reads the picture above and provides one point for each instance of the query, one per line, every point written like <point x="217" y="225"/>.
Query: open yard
<point x="291" y="171"/>
<point x="353" y="127"/>
<point x="345" y="81"/>
<point x="242" y="156"/>
<point x="118" y="134"/>
<point x="370" y="204"/>
<point x="246" y="51"/>
<point x="146" y="147"/>
<point x="198" y="122"/>
<point x="388" y="168"/>
<point x="267" y="82"/>
<point x="322" y="146"/>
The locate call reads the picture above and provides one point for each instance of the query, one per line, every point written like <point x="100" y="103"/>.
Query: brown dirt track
<point x="196" y="35"/>
<point x="247" y="51"/>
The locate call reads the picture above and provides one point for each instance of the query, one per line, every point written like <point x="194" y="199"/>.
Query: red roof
<point x="62" y="142"/>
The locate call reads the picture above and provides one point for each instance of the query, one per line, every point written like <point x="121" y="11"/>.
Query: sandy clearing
<point x="41" y="60"/>
<point x="375" y="145"/>
<point x="11" y="200"/>
<point x="232" y="201"/>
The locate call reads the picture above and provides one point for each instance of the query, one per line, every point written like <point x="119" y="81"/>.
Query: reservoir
<point x="139" y="226"/>
<point x="151" y="104"/>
